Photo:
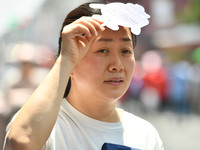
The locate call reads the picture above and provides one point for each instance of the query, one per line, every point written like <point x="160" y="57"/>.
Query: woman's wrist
<point x="65" y="63"/>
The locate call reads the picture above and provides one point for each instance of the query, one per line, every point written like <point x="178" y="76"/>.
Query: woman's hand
<point x="77" y="38"/>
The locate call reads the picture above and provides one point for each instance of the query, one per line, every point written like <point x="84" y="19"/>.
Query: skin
<point x="34" y="122"/>
<point x="110" y="62"/>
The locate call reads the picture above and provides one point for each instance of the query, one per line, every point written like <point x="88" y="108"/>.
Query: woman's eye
<point x="103" y="51"/>
<point x="126" y="52"/>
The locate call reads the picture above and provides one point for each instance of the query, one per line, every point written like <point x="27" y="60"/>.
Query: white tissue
<point x="120" y="14"/>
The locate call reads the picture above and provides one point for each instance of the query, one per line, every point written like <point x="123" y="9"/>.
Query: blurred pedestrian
<point x="179" y="87"/>
<point x="154" y="94"/>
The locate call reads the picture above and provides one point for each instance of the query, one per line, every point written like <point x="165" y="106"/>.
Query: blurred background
<point x="165" y="88"/>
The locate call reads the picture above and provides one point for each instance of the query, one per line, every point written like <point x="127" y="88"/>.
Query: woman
<point x="98" y="62"/>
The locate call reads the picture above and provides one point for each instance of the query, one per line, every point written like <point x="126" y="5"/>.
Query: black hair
<point x="82" y="10"/>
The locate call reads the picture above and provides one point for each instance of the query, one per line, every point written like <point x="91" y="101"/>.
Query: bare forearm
<point x="34" y="123"/>
<point x="37" y="117"/>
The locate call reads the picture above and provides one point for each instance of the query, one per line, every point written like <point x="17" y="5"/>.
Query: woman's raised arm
<point x="35" y="120"/>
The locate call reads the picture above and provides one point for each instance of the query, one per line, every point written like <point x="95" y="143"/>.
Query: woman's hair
<point x="82" y="10"/>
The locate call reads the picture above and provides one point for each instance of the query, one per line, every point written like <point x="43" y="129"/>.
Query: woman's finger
<point x="92" y="24"/>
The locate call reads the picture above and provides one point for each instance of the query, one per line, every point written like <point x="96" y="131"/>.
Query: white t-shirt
<point x="76" y="131"/>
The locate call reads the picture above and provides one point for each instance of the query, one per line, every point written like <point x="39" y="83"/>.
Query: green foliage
<point x="191" y="12"/>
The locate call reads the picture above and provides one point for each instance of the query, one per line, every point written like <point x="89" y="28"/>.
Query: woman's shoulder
<point x="138" y="129"/>
<point x="129" y="120"/>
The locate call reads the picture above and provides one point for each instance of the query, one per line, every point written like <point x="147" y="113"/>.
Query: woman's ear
<point x="72" y="74"/>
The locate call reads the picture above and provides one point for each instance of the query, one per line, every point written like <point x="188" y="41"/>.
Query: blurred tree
<point x="191" y="12"/>
<point x="196" y="55"/>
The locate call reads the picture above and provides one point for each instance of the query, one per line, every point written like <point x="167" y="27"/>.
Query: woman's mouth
<point x="114" y="81"/>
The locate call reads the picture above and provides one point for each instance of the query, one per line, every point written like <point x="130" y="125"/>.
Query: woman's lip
<point x="114" y="81"/>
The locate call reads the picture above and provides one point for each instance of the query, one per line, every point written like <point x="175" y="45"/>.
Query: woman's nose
<point x="116" y="64"/>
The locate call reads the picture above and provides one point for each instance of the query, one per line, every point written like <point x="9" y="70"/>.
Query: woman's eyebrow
<point x="105" y="40"/>
<point x="126" y="39"/>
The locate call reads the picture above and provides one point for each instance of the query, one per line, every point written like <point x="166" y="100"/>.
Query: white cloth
<point x="76" y="131"/>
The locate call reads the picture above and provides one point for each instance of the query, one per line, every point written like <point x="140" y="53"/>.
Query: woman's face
<point x="107" y="68"/>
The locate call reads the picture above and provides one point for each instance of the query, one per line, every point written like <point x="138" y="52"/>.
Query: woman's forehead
<point x="121" y="36"/>
<point x="122" y="31"/>
<point x="108" y="34"/>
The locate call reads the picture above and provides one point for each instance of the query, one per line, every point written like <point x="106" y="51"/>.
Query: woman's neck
<point x="96" y="108"/>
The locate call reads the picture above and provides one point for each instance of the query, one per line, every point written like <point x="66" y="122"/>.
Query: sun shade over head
<point x="120" y="14"/>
